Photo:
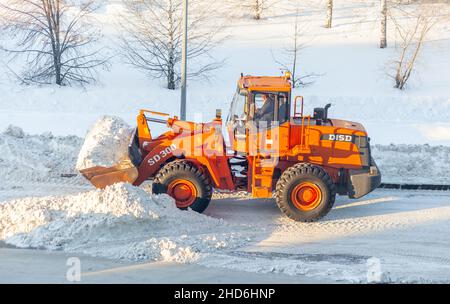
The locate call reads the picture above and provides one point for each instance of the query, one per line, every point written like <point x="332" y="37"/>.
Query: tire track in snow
<point x="361" y="225"/>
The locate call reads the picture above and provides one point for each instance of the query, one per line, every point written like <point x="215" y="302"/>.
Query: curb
<point x="415" y="187"/>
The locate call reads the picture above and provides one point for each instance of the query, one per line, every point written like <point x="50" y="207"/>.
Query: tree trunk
<point x="58" y="78"/>
<point x="57" y="64"/>
<point x="171" y="79"/>
<point x="329" y="21"/>
<point x="398" y="81"/>
<point x="258" y="9"/>
<point x="383" y="40"/>
<point x="171" y="83"/>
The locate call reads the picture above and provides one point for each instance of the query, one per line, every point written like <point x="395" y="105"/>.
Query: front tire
<point x="189" y="186"/>
<point x="305" y="193"/>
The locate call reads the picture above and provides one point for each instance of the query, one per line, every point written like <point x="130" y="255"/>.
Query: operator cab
<point x="262" y="103"/>
<point x="265" y="100"/>
<point x="259" y="103"/>
<point x="261" y="99"/>
<point x="259" y="107"/>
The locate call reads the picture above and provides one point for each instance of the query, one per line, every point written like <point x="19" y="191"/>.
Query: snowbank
<point x="26" y="157"/>
<point x="106" y="144"/>
<point x="121" y="222"/>
<point x="413" y="164"/>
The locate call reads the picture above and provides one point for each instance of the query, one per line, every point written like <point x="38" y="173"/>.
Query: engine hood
<point x="348" y="125"/>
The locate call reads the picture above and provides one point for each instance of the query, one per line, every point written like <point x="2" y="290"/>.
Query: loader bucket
<point x="101" y="177"/>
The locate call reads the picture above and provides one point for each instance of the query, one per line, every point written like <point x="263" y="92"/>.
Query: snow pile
<point x="121" y="222"/>
<point x="36" y="157"/>
<point x="413" y="163"/>
<point x="106" y="144"/>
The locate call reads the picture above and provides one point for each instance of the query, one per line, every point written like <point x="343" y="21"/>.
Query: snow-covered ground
<point x="404" y="232"/>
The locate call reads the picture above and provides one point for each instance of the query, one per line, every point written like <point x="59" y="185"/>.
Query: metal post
<point x="184" y="61"/>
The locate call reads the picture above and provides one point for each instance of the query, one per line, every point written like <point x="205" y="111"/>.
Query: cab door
<point x="237" y="122"/>
<point x="269" y="133"/>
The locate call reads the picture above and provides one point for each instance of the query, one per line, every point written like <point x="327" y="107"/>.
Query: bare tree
<point x="383" y="39"/>
<point x="290" y="56"/>
<point x="412" y="28"/>
<point x="255" y="8"/>
<point x="55" y="38"/>
<point x="329" y="20"/>
<point x="258" y="8"/>
<point x="152" y="38"/>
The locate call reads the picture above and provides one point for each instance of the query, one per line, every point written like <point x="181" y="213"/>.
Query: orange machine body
<point x="256" y="156"/>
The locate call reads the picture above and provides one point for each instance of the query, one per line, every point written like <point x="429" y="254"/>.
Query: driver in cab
<point x="265" y="112"/>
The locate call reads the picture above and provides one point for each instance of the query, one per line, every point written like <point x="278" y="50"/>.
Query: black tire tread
<point x="185" y="166"/>
<point x="303" y="169"/>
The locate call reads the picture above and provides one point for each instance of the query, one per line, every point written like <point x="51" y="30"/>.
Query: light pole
<point x="184" y="61"/>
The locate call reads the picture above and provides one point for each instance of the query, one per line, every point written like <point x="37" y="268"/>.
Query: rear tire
<point x="189" y="186"/>
<point x="305" y="193"/>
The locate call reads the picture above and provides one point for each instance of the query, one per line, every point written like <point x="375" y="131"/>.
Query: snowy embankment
<point x="120" y="222"/>
<point x="36" y="158"/>
<point x="413" y="164"/>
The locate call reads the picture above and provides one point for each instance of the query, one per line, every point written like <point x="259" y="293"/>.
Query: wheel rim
<point x="306" y="196"/>
<point x="183" y="191"/>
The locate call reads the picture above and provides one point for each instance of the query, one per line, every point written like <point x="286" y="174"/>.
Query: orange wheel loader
<point x="274" y="150"/>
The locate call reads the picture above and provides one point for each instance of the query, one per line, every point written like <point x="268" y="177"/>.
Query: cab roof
<point x="265" y="83"/>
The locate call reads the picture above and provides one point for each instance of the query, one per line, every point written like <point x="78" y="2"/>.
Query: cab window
<point x="238" y="110"/>
<point x="283" y="107"/>
<point x="271" y="107"/>
<point x="264" y="107"/>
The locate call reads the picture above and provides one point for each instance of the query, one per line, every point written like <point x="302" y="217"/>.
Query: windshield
<point x="237" y="110"/>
